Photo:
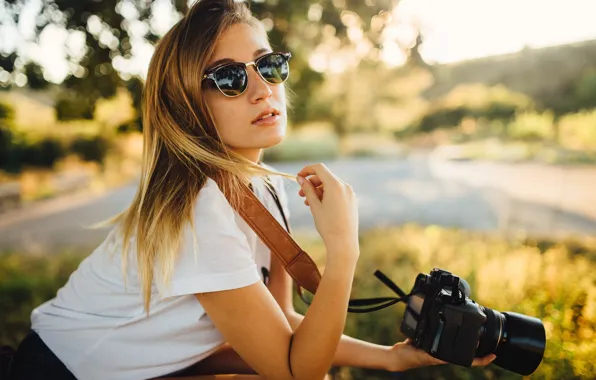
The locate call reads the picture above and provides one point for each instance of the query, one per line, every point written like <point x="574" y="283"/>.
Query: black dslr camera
<point x="442" y="320"/>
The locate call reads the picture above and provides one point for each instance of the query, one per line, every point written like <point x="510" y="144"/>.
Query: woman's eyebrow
<point x="260" y="51"/>
<point x="257" y="53"/>
<point x="219" y="62"/>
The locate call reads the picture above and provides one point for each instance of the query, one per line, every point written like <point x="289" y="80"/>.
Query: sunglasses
<point x="232" y="78"/>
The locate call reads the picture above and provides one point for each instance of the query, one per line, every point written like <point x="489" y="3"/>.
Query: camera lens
<point x="517" y="340"/>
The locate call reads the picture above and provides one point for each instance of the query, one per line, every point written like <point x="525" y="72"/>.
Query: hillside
<point x="546" y="74"/>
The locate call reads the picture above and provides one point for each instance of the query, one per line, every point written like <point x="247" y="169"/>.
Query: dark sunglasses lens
<point x="274" y="68"/>
<point x="231" y="79"/>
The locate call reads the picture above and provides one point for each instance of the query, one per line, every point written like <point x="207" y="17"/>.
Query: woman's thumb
<point x="309" y="190"/>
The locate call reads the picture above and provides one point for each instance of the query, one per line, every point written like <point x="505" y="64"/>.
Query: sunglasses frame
<point x="210" y="74"/>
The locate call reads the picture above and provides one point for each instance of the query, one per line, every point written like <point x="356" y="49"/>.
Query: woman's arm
<point x="353" y="352"/>
<point x="350" y="352"/>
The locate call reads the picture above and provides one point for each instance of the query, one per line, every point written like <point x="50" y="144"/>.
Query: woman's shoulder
<point x="210" y="188"/>
<point x="211" y="203"/>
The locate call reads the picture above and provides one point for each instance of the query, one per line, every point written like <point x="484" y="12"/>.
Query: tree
<point x="106" y="34"/>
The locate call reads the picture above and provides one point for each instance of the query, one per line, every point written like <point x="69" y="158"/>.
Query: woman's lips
<point x="270" y="120"/>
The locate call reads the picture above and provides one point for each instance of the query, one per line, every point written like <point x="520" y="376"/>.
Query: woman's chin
<point x="275" y="141"/>
<point x="271" y="139"/>
<point x="263" y="143"/>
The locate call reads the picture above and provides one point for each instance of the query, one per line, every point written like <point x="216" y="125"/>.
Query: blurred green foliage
<point x="26" y="282"/>
<point x="45" y="153"/>
<point x="552" y="280"/>
<point x="300" y="148"/>
<point x="73" y="108"/>
<point x="19" y="150"/>
<point x="91" y="148"/>
<point x="584" y="91"/>
<point x="477" y="102"/>
<point x="530" y="126"/>
<point x="6" y="117"/>
<point x="578" y="131"/>
<point x="471" y="114"/>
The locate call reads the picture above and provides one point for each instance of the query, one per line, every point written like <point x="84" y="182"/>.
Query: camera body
<point x="442" y="320"/>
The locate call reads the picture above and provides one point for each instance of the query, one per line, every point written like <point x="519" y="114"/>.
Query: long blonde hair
<point x="182" y="146"/>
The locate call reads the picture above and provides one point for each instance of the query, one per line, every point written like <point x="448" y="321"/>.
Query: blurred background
<point x="467" y="129"/>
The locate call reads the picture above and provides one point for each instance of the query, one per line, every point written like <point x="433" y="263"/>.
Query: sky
<point x="464" y="29"/>
<point x="453" y="30"/>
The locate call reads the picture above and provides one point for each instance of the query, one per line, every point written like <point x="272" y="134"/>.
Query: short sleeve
<point x="222" y="259"/>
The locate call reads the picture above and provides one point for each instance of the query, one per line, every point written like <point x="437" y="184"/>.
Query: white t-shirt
<point x="99" y="329"/>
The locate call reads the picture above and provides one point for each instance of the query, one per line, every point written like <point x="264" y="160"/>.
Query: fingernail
<point x="493" y="357"/>
<point x="300" y="180"/>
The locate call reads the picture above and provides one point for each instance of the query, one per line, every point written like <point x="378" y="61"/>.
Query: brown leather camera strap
<point x="296" y="262"/>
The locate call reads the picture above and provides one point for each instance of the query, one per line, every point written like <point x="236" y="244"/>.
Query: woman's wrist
<point x="388" y="359"/>
<point x="342" y="254"/>
<point x="404" y="356"/>
<point x="393" y="360"/>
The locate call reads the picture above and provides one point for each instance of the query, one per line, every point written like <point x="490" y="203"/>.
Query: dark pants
<point x="34" y="360"/>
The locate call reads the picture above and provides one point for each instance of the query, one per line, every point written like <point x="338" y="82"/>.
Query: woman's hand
<point x="334" y="207"/>
<point x="403" y="356"/>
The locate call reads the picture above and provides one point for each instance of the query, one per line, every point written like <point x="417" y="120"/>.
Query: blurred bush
<point x="70" y="107"/>
<point x="43" y="153"/>
<point x="578" y="131"/>
<point x="91" y="148"/>
<point x="6" y="135"/>
<point x="584" y="91"/>
<point x="6" y="112"/>
<point x="532" y="126"/>
<point x="19" y="149"/>
<point x="442" y="118"/>
<point x="554" y="281"/>
<point x="476" y="101"/>
<point x="130" y="127"/>
<point x="21" y="152"/>
<point x="16" y="151"/>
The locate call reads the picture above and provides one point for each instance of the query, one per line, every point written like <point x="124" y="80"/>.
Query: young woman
<point x="181" y="284"/>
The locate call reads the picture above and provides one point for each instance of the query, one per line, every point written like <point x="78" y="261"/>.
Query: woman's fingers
<point x="338" y="201"/>
<point x="319" y="170"/>
<point x="320" y="190"/>
<point x="318" y="185"/>
<point x="316" y="181"/>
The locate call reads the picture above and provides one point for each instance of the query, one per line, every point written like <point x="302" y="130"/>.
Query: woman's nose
<point x="258" y="89"/>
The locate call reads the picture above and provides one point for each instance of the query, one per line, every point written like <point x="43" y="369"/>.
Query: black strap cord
<point x="355" y="305"/>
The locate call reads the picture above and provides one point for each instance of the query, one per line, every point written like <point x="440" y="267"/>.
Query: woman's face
<point x="235" y="118"/>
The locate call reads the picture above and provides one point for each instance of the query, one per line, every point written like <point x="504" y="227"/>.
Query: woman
<point x="181" y="284"/>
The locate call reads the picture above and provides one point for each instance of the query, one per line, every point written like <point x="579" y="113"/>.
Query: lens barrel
<point x="518" y="341"/>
